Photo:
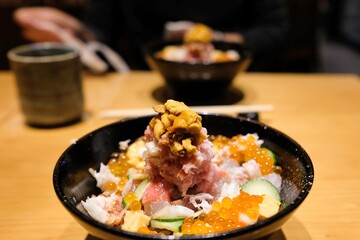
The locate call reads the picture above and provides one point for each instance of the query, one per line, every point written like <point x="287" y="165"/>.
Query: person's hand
<point x="179" y="30"/>
<point x="230" y="37"/>
<point x="38" y="24"/>
<point x="44" y="24"/>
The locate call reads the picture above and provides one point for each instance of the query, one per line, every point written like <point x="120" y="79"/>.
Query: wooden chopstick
<point x="220" y="109"/>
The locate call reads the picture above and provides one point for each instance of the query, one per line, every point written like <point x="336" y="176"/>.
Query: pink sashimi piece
<point x="156" y="191"/>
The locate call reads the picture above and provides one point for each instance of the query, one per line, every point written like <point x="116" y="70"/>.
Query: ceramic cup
<point x="49" y="83"/>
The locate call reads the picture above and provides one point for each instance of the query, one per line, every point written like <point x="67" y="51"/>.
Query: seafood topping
<point x="197" y="47"/>
<point x="177" y="180"/>
<point x="178" y="149"/>
<point x="178" y="127"/>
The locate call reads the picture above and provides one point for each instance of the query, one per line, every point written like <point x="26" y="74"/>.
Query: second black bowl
<point x="191" y="79"/>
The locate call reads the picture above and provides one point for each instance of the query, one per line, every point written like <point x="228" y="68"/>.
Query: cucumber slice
<point x="137" y="176"/>
<point x="174" y="226"/>
<point x="260" y="187"/>
<point x="139" y="191"/>
<point x="124" y="203"/>
<point x="272" y="155"/>
<point x="169" y="219"/>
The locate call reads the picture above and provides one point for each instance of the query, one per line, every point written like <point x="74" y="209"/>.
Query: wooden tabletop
<point x="321" y="112"/>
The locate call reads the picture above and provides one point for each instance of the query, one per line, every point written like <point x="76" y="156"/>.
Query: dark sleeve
<point x="267" y="32"/>
<point x="103" y="18"/>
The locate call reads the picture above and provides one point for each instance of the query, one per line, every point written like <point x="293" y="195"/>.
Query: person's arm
<point x="35" y="20"/>
<point x="102" y="17"/>
<point x="44" y="24"/>
<point x="262" y="25"/>
<point x="268" y="30"/>
<point x="231" y="37"/>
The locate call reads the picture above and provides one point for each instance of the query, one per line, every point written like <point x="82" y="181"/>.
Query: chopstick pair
<point x="87" y="50"/>
<point x="219" y="109"/>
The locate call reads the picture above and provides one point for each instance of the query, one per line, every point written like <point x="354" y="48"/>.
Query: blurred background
<point x="324" y="35"/>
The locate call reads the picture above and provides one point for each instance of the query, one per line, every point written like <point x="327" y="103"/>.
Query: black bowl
<point x="197" y="79"/>
<point x="73" y="183"/>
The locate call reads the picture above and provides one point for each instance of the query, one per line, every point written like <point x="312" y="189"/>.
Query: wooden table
<point x="321" y="112"/>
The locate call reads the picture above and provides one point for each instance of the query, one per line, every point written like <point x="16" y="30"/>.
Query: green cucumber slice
<point x="260" y="186"/>
<point x="137" y="176"/>
<point x="124" y="203"/>
<point x="272" y="155"/>
<point x="139" y="191"/>
<point x="169" y="219"/>
<point x="174" y="226"/>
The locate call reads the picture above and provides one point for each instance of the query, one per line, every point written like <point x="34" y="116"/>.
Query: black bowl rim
<point x="245" y="55"/>
<point x="287" y="211"/>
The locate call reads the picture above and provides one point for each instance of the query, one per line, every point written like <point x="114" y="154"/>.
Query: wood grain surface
<point x="321" y="112"/>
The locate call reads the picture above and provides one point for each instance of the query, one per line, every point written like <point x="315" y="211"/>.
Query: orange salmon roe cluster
<point x="146" y="230"/>
<point x="243" y="150"/>
<point x="224" y="215"/>
<point x="119" y="167"/>
<point x="130" y="198"/>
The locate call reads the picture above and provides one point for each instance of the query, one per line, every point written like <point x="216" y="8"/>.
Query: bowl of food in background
<point x="183" y="175"/>
<point x="196" y="65"/>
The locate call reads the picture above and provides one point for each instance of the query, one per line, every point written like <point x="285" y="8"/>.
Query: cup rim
<point x="13" y="54"/>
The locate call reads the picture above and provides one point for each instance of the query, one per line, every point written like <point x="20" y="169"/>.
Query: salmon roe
<point x="224" y="215"/>
<point x="119" y="167"/>
<point x="129" y="197"/>
<point x="244" y="149"/>
<point x="111" y="186"/>
<point x="146" y="230"/>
